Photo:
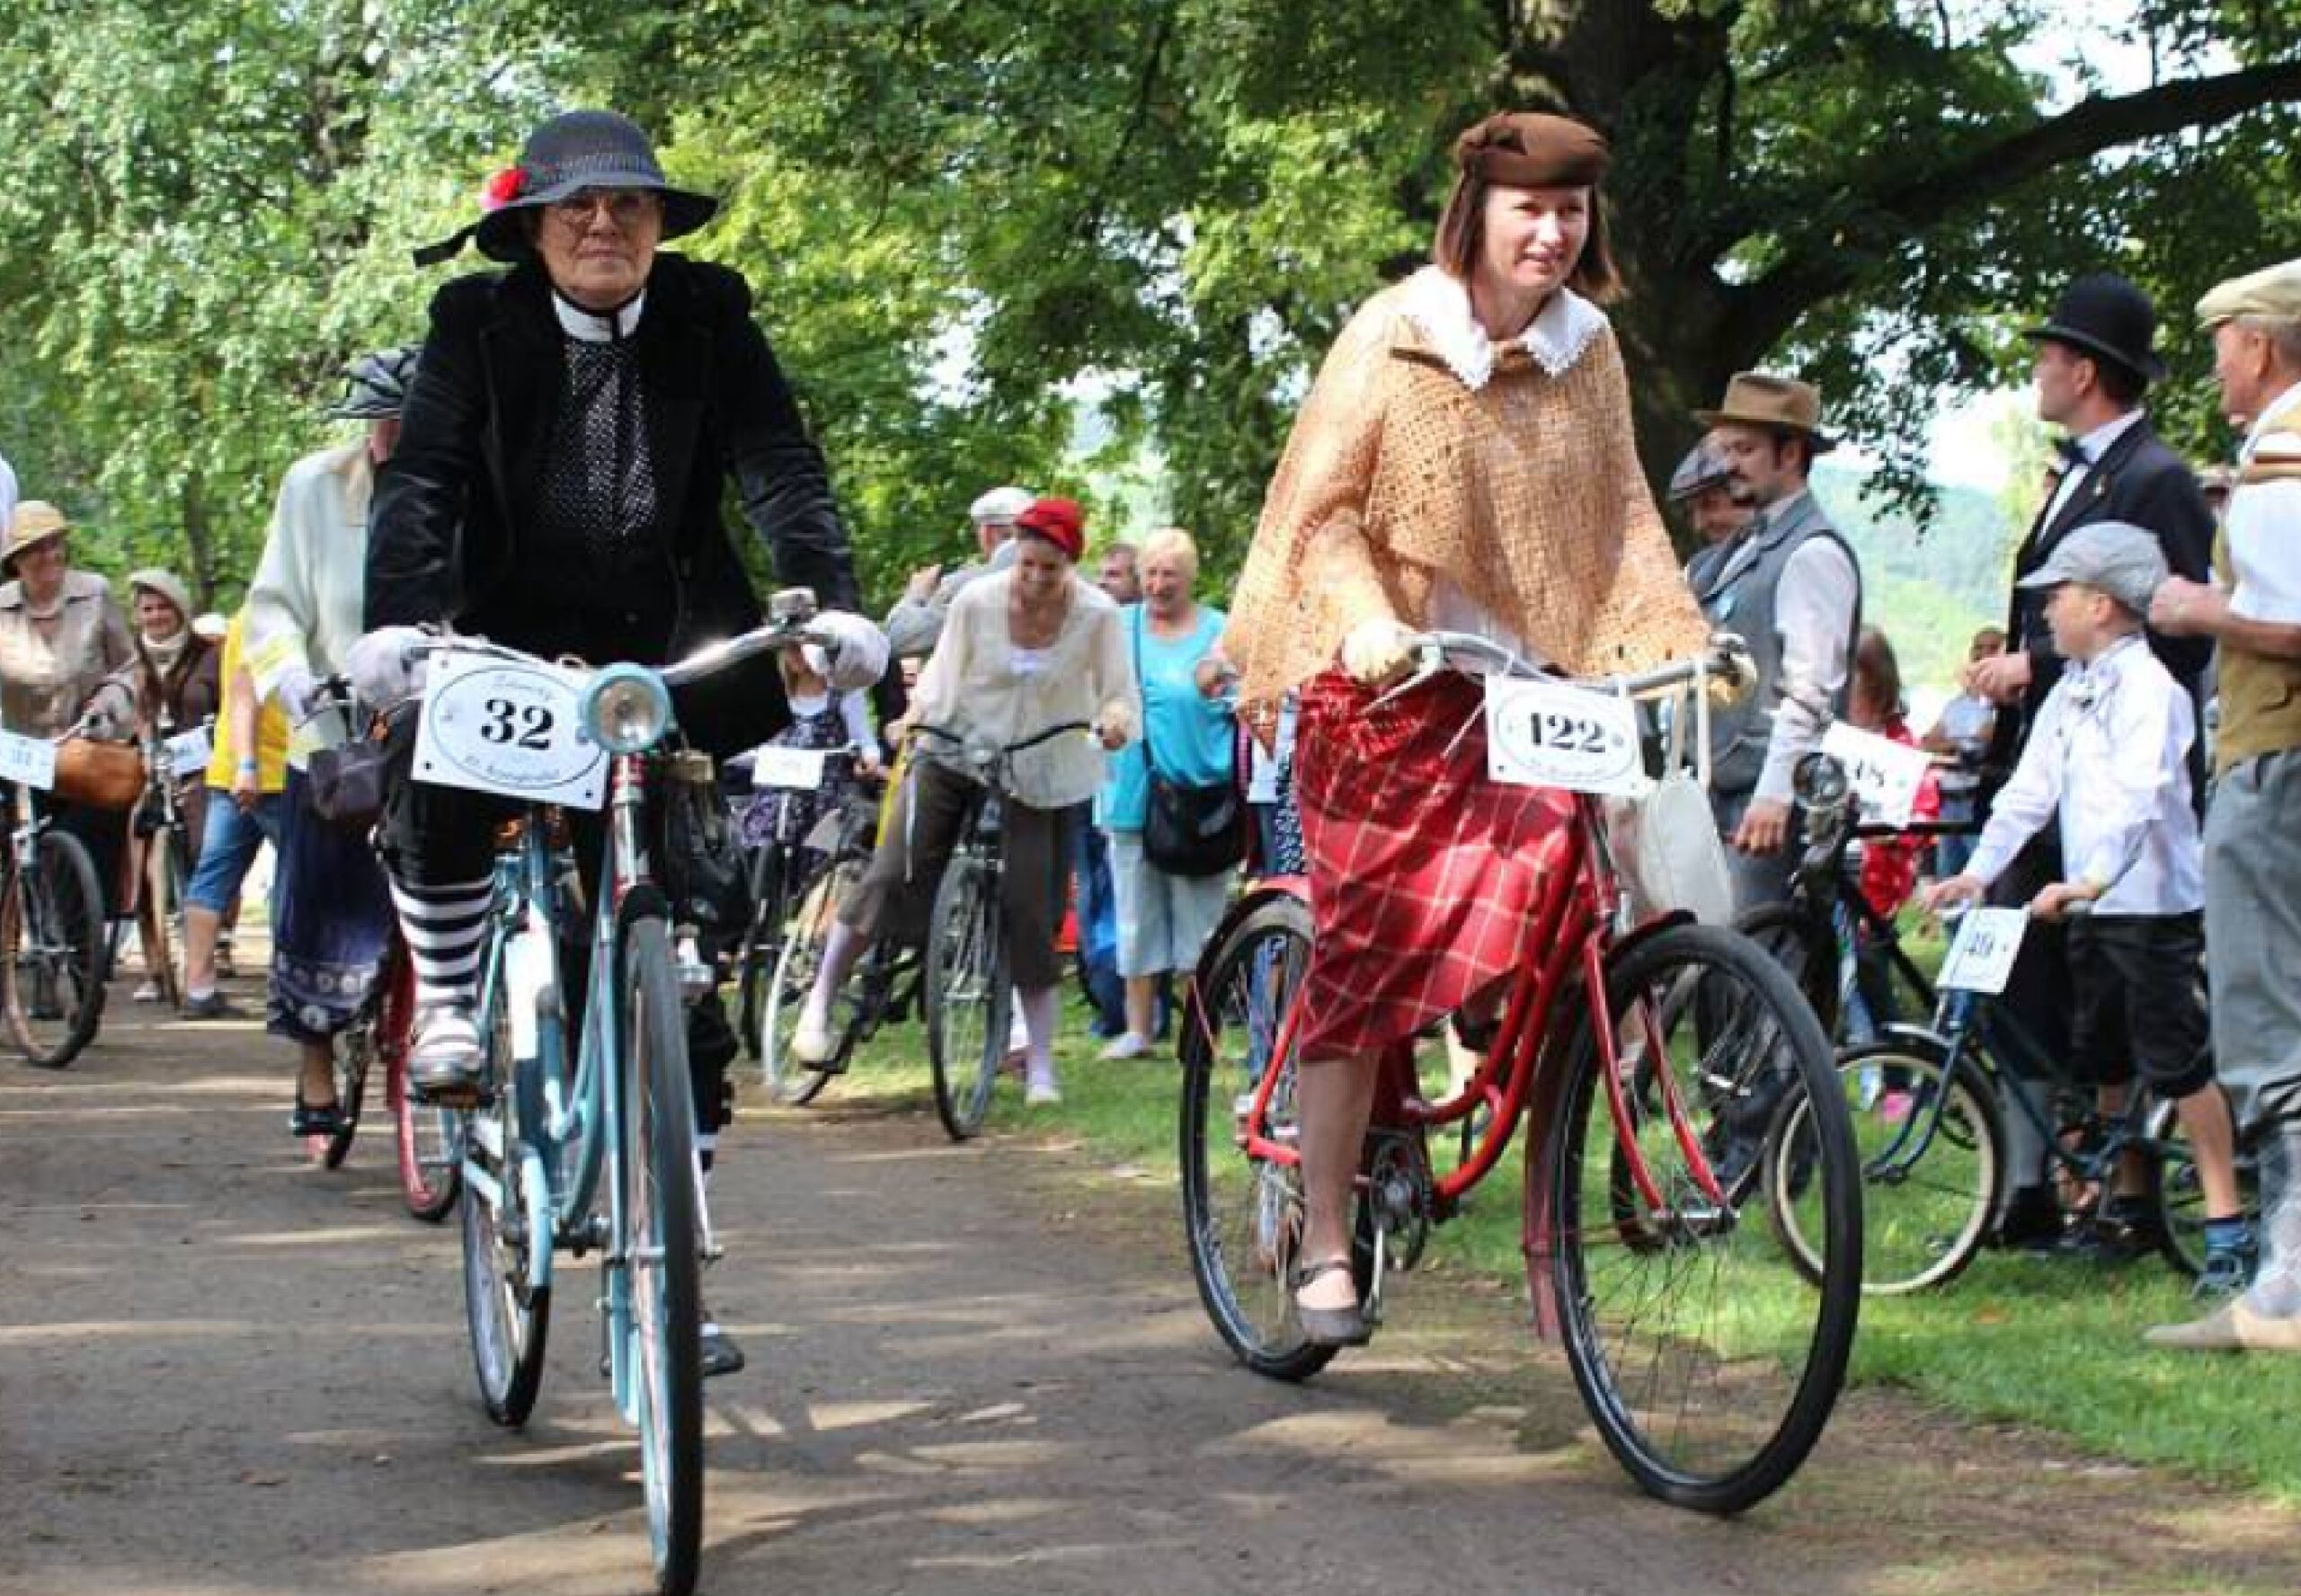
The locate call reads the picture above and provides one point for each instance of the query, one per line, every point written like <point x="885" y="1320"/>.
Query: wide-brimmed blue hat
<point x="574" y="151"/>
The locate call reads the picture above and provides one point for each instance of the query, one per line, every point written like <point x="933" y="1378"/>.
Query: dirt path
<point x="973" y="1370"/>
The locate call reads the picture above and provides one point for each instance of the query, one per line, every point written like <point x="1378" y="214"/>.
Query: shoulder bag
<point x="1187" y="831"/>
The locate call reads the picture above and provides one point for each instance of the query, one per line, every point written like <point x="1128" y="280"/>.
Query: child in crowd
<point x="2110" y="755"/>
<point x="1889" y="865"/>
<point x="820" y="719"/>
<point x="1961" y="734"/>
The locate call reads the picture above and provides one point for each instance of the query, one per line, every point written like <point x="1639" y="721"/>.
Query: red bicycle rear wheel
<point x="428" y="1135"/>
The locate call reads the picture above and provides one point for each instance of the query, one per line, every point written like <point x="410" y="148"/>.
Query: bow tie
<point x="2072" y="453"/>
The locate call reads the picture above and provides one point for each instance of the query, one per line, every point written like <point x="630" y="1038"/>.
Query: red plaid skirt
<point x="1423" y="872"/>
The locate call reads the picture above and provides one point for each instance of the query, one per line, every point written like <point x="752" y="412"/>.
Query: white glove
<point x="857" y="650"/>
<point x="382" y="670"/>
<point x="296" y="690"/>
<point x="1376" y="651"/>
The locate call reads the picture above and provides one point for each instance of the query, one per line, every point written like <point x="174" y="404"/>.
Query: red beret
<point x="1530" y="150"/>
<point x="1060" y="521"/>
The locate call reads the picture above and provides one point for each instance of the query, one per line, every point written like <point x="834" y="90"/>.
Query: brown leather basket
<point x="99" y="774"/>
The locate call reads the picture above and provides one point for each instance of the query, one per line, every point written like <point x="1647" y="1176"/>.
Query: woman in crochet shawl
<point x="1464" y="461"/>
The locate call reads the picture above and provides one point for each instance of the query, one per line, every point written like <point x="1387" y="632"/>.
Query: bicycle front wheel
<point x="967" y="993"/>
<point x="755" y="961"/>
<point x="506" y="1213"/>
<point x="1930" y="1180"/>
<point x="159" y="921"/>
<point x="52" y="952"/>
<point x="666" y="1251"/>
<point x="1243" y="1215"/>
<point x="1707" y="1364"/>
<point x="796" y="965"/>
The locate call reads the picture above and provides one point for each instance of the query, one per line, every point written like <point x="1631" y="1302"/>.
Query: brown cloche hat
<point x="1531" y="149"/>
<point x="1779" y="403"/>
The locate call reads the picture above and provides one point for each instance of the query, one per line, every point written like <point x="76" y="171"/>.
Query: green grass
<point x="2052" y="1344"/>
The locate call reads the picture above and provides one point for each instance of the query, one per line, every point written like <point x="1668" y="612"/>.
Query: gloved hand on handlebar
<point x="857" y="652"/>
<point x="384" y="669"/>
<point x="1739" y="677"/>
<point x="1376" y="651"/>
<point x="297" y="691"/>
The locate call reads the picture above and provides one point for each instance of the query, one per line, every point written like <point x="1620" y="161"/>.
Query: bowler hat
<point x="1777" y="403"/>
<point x="2103" y="315"/>
<point x="574" y="151"/>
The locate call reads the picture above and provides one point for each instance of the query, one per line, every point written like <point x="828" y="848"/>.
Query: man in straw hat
<point x="2094" y="360"/>
<point x="1792" y="587"/>
<point x="2253" y="836"/>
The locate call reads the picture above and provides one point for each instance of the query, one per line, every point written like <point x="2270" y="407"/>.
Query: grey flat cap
<point x="1703" y="467"/>
<point x="2118" y="557"/>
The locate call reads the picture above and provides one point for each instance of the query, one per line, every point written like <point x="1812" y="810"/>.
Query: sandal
<point x="1327" y="1327"/>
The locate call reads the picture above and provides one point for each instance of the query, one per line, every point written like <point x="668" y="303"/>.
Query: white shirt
<point x="304" y="606"/>
<point x="8" y="495"/>
<point x="2109" y="752"/>
<point x="1813" y="612"/>
<point x="2263" y="522"/>
<point x="2093" y="445"/>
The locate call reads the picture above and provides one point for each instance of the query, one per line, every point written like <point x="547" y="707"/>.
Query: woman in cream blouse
<point x="1022" y="651"/>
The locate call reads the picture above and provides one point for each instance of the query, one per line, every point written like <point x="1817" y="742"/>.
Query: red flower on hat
<point x="504" y="187"/>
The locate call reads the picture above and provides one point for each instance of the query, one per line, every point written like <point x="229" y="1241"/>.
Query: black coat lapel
<point x="675" y="374"/>
<point x="521" y="348"/>
<point x="2100" y="480"/>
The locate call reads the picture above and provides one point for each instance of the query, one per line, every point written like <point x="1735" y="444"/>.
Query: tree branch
<point x="1817" y="266"/>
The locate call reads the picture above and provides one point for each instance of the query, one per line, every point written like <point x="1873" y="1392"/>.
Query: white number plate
<point x="29" y="761"/>
<point x="796" y="770"/>
<point x="1885" y="775"/>
<point x="1982" y="958"/>
<point x="1548" y="734"/>
<point x="495" y="726"/>
<point x="190" y="751"/>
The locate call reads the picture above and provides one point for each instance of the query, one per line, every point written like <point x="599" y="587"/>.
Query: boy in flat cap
<point x="2252" y="836"/>
<point x="2109" y="755"/>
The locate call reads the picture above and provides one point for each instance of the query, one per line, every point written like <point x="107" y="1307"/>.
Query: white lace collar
<point x="1439" y="307"/>
<point x="590" y="326"/>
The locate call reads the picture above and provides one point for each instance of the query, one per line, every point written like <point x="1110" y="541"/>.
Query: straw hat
<point x="36" y="521"/>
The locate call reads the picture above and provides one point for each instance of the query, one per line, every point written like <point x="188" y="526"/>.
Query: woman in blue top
<point x="1163" y="919"/>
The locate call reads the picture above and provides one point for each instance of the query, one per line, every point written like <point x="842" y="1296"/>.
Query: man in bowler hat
<point x="2094" y="362"/>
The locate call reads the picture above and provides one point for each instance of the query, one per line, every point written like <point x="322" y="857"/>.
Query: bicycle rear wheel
<point x="666" y="1253"/>
<point x="1928" y="1185"/>
<point x="1707" y="1364"/>
<point x="2178" y="1196"/>
<point x="52" y="952"/>
<point x="1243" y="1215"/>
<point x="797" y="962"/>
<point x="505" y="1215"/>
<point x="355" y="1052"/>
<point x="967" y="997"/>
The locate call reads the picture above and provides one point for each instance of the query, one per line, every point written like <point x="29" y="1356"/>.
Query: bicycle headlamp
<point x="1820" y="782"/>
<point x="626" y="709"/>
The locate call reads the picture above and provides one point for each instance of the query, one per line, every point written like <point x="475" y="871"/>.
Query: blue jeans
<point x="229" y="848"/>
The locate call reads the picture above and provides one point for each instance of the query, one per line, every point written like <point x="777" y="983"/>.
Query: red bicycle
<point x="1666" y="1073"/>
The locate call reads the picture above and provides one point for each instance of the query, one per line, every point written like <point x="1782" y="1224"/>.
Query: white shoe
<point x="1127" y="1044"/>
<point x="149" y="992"/>
<point x="812" y="1042"/>
<point x="1041" y="1088"/>
<point x="443" y="1060"/>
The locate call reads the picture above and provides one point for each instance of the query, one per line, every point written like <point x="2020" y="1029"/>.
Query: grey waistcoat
<point x="1736" y="585"/>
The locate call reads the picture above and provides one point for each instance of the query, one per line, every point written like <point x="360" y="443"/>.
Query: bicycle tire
<point x="1680" y="973"/>
<point x="1923" y="1219"/>
<point x="2174" y="1194"/>
<point x="508" y="1315"/>
<point x="1241" y="994"/>
<point x="52" y="950"/>
<point x="353" y="1052"/>
<point x="426" y="1137"/>
<point x="762" y="948"/>
<point x="1807" y="952"/>
<point x="666" y="1254"/>
<point x="789" y="1082"/>
<point x="967" y="993"/>
<point x="159" y="914"/>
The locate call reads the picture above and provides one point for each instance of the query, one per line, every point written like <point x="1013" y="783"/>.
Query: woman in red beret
<point x="1021" y="651"/>
<point x="1465" y="462"/>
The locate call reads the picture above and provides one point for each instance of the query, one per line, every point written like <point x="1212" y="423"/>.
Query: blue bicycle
<point x="591" y="1148"/>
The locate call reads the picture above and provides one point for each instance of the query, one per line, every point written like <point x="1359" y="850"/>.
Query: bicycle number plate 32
<point x="1981" y="960"/>
<point x="28" y="761"/>
<point x="507" y="728"/>
<point x="1548" y="734"/>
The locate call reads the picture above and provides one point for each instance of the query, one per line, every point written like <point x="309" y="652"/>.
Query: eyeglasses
<point x="626" y="209"/>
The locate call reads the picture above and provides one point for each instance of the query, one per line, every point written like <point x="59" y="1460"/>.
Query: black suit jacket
<point x="448" y="525"/>
<point x="2139" y="480"/>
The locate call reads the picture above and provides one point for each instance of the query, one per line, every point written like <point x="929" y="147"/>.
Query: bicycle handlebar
<point x="1727" y="657"/>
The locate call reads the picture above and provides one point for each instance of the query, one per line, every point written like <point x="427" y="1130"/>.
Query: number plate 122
<point x="1546" y="734"/>
<point x="497" y="726"/>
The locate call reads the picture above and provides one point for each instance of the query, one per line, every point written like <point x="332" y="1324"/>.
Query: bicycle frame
<point x="1577" y="926"/>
